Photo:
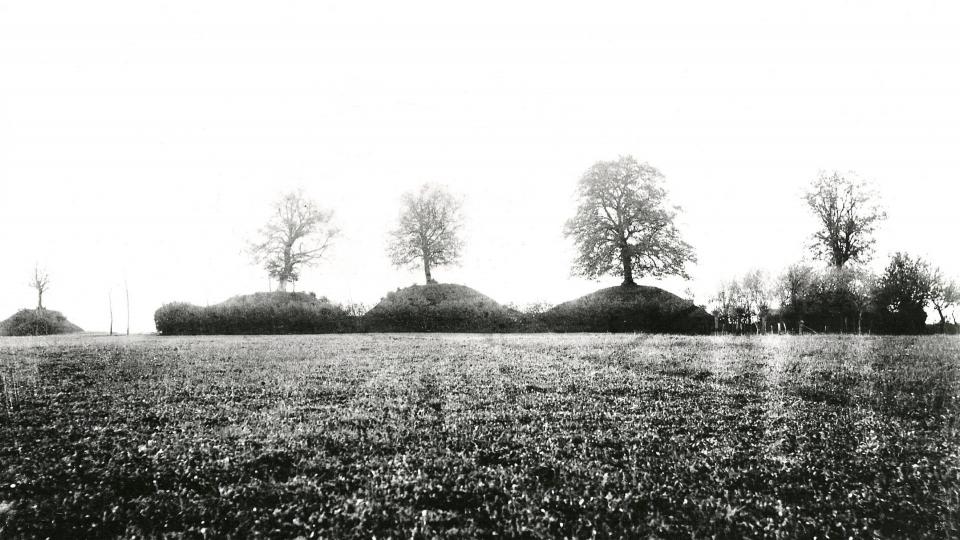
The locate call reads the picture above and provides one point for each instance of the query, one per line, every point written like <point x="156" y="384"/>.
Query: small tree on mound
<point x="41" y="282"/>
<point x="297" y="235"/>
<point x="624" y="225"/>
<point x="428" y="231"/>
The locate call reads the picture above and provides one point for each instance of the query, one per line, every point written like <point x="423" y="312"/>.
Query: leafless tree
<point x="428" y="231"/>
<point x="298" y="235"/>
<point x="623" y="224"/>
<point x="40" y="282"/>
<point x="849" y="213"/>
<point x="944" y="294"/>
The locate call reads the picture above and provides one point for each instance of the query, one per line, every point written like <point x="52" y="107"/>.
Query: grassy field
<point x="463" y="436"/>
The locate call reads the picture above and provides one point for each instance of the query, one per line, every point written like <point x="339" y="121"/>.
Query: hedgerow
<point x="261" y="313"/>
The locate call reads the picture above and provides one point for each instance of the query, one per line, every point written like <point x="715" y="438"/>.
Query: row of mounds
<point x="438" y="307"/>
<point x="37" y="322"/>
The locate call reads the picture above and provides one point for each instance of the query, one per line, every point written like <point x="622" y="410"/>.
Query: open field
<point x="456" y="435"/>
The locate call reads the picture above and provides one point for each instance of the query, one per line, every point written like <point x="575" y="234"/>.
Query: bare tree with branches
<point x="428" y="231"/>
<point x="40" y="282"/>
<point x="298" y="235"/>
<point x="849" y="213"/>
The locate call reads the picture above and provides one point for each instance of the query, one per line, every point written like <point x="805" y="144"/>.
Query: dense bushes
<point x="260" y="313"/>
<point x="439" y="307"/>
<point x="37" y="322"/>
<point x="631" y="308"/>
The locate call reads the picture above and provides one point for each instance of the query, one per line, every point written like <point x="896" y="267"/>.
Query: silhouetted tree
<point x="623" y="224"/>
<point x="428" y="231"/>
<point x="297" y="235"/>
<point x="848" y="213"/>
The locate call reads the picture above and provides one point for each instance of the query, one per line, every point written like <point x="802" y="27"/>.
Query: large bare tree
<point x="297" y="235"/>
<point x="624" y="225"/>
<point x="428" y="231"/>
<point x="849" y="213"/>
<point x="41" y="282"/>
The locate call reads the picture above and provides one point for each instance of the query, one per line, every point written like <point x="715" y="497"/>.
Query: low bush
<point x="260" y="313"/>
<point x="37" y="322"/>
<point x="439" y="307"/>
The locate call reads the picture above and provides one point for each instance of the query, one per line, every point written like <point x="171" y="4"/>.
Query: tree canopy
<point x="624" y="225"/>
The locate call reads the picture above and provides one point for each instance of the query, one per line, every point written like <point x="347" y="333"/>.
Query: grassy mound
<point x="634" y="308"/>
<point x="32" y="322"/>
<point x="439" y="307"/>
<point x="259" y="313"/>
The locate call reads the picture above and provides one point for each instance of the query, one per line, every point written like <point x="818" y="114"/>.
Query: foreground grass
<point x="536" y="436"/>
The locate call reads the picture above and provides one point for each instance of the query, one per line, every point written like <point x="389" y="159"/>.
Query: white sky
<point x="146" y="141"/>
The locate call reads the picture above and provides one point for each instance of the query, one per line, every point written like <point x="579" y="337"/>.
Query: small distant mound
<point x="34" y="322"/>
<point x="259" y="313"/>
<point x="629" y="308"/>
<point x="439" y="307"/>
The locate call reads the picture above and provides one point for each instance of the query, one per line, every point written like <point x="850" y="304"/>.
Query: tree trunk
<point x="627" y="268"/>
<point x="282" y="285"/>
<point x="859" y="322"/>
<point x="110" y="299"/>
<point x="40" y="301"/>
<point x="426" y="270"/>
<point x="943" y="321"/>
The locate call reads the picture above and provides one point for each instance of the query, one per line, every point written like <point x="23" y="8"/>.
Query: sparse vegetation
<point x="472" y="436"/>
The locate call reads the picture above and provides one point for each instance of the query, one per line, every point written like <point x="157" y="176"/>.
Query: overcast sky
<point x="144" y="142"/>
